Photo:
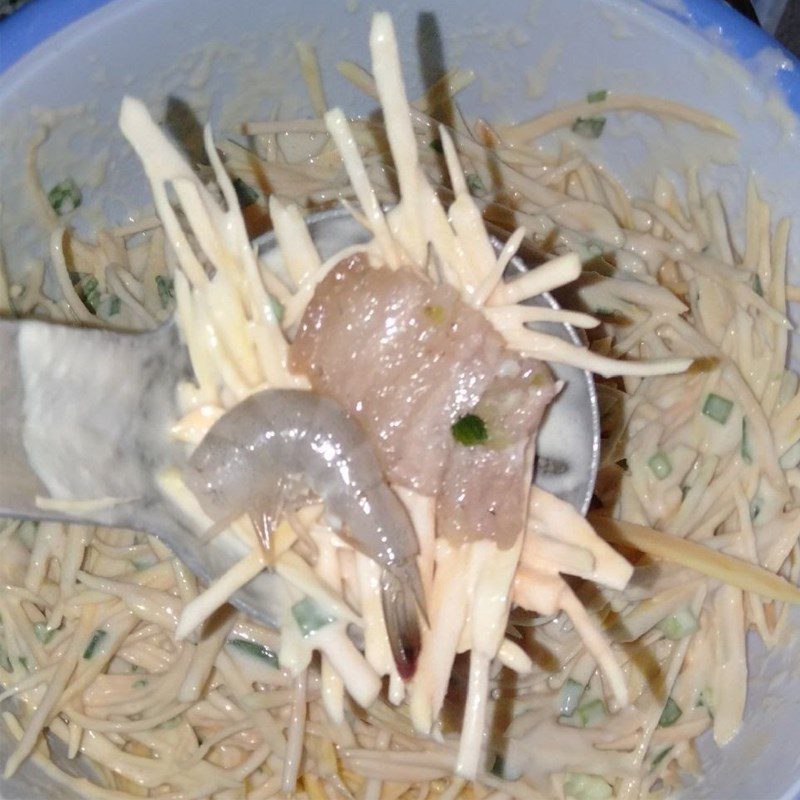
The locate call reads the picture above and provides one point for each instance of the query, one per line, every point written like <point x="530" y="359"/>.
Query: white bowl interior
<point x="236" y="61"/>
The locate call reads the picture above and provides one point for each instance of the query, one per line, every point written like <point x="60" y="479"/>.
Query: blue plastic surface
<point x="36" y="21"/>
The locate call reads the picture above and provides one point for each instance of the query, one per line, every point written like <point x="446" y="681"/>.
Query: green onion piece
<point x="757" y="288"/>
<point x="678" y="625"/>
<point x="27" y="533"/>
<point x="718" y="408"/>
<point x="140" y="684"/>
<point x="747" y="453"/>
<point x="661" y="756"/>
<point x="257" y="650"/>
<point x="670" y="715"/>
<point x="755" y="508"/>
<point x="474" y="183"/>
<point x="571" y="693"/>
<point x="65" y="197"/>
<point x="434" y="313"/>
<point x="582" y="786"/>
<point x="469" y="430"/>
<point x="706" y="700"/>
<point x="309" y="616"/>
<point x="91" y="294"/>
<point x="436" y="144"/>
<point x="589" y="127"/>
<point x="43" y="633"/>
<point x="597" y="97"/>
<point x="590" y="712"/>
<point x="94" y="643"/>
<point x="87" y="288"/>
<point x="277" y="308"/>
<point x="660" y="465"/>
<point x="114" y="305"/>
<point x="245" y="193"/>
<point x="23" y="662"/>
<point x="166" y="289"/>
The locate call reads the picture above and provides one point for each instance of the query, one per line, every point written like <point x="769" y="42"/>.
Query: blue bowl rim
<point x="34" y="23"/>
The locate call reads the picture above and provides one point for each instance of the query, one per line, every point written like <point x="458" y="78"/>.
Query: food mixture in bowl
<point x="453" y="631"/>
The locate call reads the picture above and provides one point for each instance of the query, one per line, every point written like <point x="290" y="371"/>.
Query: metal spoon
<point x="85" y="414"/>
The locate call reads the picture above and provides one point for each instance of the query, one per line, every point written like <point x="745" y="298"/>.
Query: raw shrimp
<point x="266" y="449"/>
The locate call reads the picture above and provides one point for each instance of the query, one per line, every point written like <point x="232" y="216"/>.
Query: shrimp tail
<point x="402" y="597"/>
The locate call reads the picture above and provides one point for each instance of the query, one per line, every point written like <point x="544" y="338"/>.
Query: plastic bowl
<point x="528" y="56"/>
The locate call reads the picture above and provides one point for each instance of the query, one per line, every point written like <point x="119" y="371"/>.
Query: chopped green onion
<point x="114" y="305"/>
<point x="597" y="97"/>
<point x="718" y="408"/>
<point x="474" y="183"/>
<point x="65" y="196"/>
<point x="27" y="533"/>
<point x="257" y="650"/>
<point x="747" y="454"/>
<point x="589" y="127"/>
<point x="590" y="712"/>
<point x="660" y="465"/>
<point x="571" y="693"/>
<point x="245" y="194"/>
<point x="140" y="684"/>
<point x="670" y="715"/>
<point x="582" y="786"/>
<point x="434" y="313"/>
<point x="23" y="662"/>
<point x="91" y="294"/>
<point x="43" y="633"/>
<point x="661" y="756"/>
<point x="87" y="288"/>
<point x="309" y="616"/>
<point x="706" y="700"/>
<point x="469" y="430"/>
<point x="757" y="288"/>
<point x="166" y="289"/>
<point x="589" y="251"/>
<point x="436" y="144"/>
<point x="755" y="508"/>
<point x="94" y="643"/>
<point x="678" y="625"/>
<point x="277" y="308"/>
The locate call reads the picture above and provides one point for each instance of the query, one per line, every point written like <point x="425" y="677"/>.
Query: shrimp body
<point x="273" y="444"/>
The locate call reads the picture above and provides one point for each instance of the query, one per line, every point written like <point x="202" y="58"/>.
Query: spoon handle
<point x="84" y="414"/>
